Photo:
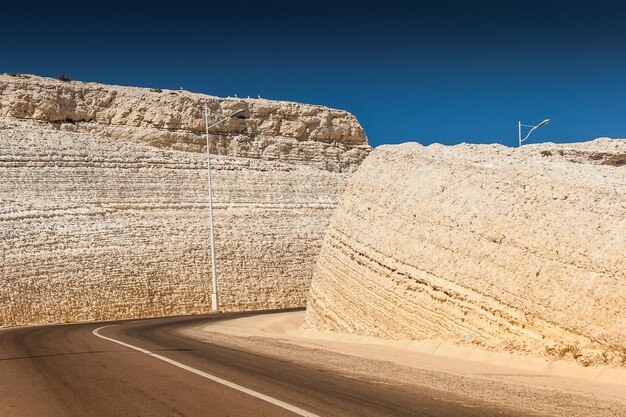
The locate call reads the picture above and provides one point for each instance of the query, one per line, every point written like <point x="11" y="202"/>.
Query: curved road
<point x="147" y="368"/>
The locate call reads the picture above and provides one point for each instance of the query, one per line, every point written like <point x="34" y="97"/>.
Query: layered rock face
<point x="103" y="199"/>
<point x="272" y="130"/>
<point x="520" y="250"/>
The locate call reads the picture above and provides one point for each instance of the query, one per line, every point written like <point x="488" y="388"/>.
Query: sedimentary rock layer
<point x="520" y="250"/>
<point x="96" y="222"/>
<point x="271" y="130"/>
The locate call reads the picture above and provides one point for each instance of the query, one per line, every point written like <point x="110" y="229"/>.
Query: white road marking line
<point x="214" y="378"/>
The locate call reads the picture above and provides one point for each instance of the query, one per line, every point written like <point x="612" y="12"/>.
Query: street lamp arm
<point x="217" y="123"/>
<point x="236" y="113"/>
<point x="529" y="132"/>
<point x="520" y="125"/>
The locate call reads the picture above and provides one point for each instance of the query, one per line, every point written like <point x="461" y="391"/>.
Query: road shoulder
<point x="524" y="389"/>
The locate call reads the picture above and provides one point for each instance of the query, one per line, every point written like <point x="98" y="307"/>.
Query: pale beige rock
<point x="520" y="250"/>
<point x="307" y="134"/>
<point x="98" y="223"/>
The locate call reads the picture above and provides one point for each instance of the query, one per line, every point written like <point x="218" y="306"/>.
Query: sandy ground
<point x="538" y="390"/>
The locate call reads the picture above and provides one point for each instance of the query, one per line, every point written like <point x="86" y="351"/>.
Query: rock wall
<point x="271" y="130"/>
<point x="506" y="249"/>
<point x="103" y="200"/>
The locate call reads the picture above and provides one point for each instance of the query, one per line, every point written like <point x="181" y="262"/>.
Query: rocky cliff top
<point x="273" y="130"/>
<point x="600" y="151"/>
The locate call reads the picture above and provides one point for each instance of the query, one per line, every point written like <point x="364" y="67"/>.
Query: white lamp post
<point x="520" y="125"/>
<point x="214" y="297"/>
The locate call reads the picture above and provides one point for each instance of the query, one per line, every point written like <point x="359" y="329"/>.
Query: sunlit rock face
<point x="520" y="250"/>
<point x="103" y="199"/>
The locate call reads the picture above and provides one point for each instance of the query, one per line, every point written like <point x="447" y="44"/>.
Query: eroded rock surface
<point x="520" y="250"/>
<point x="103" y="200"/>
<point x="272" y="130"/>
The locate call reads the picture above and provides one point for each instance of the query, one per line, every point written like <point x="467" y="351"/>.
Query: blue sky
<point x="440" y="71"/>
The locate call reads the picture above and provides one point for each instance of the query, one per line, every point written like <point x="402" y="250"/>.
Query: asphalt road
<point x="67" y="370"/>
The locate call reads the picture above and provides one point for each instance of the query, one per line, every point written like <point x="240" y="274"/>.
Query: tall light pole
<point x="520" y="125"/>
<point x="214" y="297"/>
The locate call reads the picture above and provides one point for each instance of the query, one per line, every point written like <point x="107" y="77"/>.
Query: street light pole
<point x="520" y="125"/>
<point x="214" y="293"/>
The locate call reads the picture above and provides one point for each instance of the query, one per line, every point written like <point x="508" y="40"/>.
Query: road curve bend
<point x="149" y="368"/>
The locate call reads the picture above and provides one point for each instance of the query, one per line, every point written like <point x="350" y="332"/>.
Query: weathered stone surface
<point x="520" y="250"/>
<point x="291" y="132"/>
<point x="98" y="223"/>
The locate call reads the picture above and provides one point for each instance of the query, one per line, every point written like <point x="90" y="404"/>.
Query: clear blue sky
<point x="439" y="71"/>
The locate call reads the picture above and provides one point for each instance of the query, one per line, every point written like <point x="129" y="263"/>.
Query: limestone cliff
<point x="271" y="130"/>
<point x="520" y="250"/>
<point x="103" y="199"/>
